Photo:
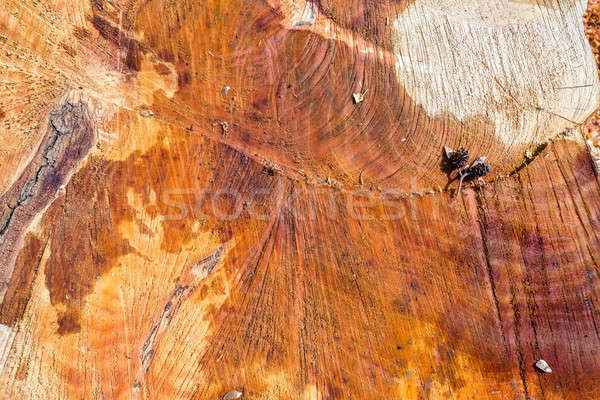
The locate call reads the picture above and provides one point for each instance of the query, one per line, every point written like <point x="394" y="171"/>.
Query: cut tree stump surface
<point x="211" y="199"/>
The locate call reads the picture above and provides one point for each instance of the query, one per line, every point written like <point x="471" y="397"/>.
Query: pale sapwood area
<point x="227" y="199"/>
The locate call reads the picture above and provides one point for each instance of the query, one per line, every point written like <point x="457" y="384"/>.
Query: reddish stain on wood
<point x="19" y="289"/>
<point x="68" y="323"/>
<point x="120" y="40"/>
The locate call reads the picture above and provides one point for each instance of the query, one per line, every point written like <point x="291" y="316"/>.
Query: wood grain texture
<point x="192" y="204"/>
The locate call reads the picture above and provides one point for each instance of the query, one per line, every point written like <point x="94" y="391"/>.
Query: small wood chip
<point x="146" y="113"/>
<point x="543" y="366"/>
<point x="448" y="151"/>
<point x="480" y="160"/>
<point x="225" y="127"/>
<point x="528" y="155"/>
<point x="358" y="97"/>
<point x="232" y="395"/>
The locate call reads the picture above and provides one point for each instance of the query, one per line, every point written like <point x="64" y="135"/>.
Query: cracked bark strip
<point x="70" y="136"/>
<point x="189" y="282"/>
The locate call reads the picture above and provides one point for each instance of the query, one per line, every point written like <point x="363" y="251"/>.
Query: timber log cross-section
<point x="299" y="199"/>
